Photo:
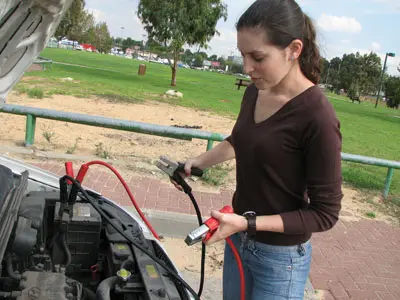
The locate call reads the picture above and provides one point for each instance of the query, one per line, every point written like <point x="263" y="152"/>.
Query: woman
<point x="287" y="144"/>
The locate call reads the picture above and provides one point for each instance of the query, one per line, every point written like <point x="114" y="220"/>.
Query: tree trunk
<point x="174" y="65"/>
<point x="173" y="81"/>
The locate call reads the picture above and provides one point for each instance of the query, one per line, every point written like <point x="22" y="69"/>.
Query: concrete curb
<point x="170" y="224"/>
<point x="51" y="155"/>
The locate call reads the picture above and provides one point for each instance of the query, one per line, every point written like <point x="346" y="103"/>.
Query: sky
<point x="343" y="26"/>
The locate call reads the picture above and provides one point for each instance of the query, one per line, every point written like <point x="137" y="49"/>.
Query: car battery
<point x="82" y="236"/>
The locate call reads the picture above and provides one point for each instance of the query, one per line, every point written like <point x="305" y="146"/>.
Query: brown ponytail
<point x="310" y="57"/>
<point x="283" y="22"/>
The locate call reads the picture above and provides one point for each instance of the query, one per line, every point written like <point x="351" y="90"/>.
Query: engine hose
<point x="10" y="270"/>
<point x="66" y="250"/>
<point x="104" y="289"/>
<point x="53" y="239"/>
<point x="89" y="294"/>
<point x="128" y="262"/>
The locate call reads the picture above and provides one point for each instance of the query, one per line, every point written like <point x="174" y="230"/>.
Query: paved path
<point x="355" y="260"/>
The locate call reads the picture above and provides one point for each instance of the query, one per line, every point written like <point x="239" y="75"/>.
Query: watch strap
<point x="251" y="223"/>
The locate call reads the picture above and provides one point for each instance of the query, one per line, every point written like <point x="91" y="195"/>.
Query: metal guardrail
<point x="42" y="61"/>
<point x="32" y="113"/>
<point x="166" y="131"/>
<point x="391" y="165"/>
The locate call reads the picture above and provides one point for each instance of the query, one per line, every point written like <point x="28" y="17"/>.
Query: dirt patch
<point x="33" y="78"/>
<point x="35" y="67"/>
<point x="357" y="206"/>
<point x="189" y="258"/>
<point x="119" y="143"/>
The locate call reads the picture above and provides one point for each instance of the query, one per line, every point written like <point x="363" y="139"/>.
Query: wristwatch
<point x="251" y="223"/>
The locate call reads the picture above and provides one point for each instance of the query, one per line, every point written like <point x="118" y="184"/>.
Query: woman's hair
<point x="283" y="22"/>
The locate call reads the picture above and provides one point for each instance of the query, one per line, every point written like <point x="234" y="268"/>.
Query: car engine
<point x="55" y="248"/>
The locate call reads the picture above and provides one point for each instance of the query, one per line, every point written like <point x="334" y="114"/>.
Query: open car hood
<point x="25" y="28"/>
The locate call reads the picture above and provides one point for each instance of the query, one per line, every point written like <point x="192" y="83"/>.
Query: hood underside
<point x="25" y="28"/>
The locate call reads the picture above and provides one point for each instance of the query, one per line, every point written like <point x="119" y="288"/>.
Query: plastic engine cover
<point x="47" y="286"/>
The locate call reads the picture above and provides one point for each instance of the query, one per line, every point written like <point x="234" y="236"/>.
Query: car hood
<point x="25" y="28"/>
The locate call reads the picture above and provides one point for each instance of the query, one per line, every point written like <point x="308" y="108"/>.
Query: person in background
<point x="287" y="145"/>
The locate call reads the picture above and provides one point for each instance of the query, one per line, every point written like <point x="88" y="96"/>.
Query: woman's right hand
<point x="188" y="167"/>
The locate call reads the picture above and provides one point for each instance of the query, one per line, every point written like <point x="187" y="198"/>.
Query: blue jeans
<point x="271" y="272"/>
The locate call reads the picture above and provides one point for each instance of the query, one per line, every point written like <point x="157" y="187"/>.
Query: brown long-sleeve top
<point x="289" y="164"/>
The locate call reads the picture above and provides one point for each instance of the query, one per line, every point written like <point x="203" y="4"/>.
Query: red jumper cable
<point x="81" y="175"/>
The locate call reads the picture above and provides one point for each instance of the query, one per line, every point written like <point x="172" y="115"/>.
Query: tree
<point x="213" y="57"/>
<point x="157" y="48"/>
<point x="360" y="73"/>
<point x="76" y="22"/>
<point x="117" y="42"/>
<point x="334" y="73"/>
<point x="392" y="91"/>
<point x="236" y="68"/>
<point x="180" y="22"/>
<point x="187" y="57"/>
<point x="370" y="69"/>
<point x="222" y="62"/>
<point x="100" y="37"/>
<point x="349" y="70"/>
<point x="127" y="43"/>
<point x="198" y="60"/>
<point x="71" y="18"/>
<point x="325" y="70"/>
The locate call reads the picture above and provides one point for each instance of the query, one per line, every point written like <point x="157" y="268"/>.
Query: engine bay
<point x="55" y="248"/>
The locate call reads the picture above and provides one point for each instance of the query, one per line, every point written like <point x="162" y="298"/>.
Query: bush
<point x="37" y="93"/>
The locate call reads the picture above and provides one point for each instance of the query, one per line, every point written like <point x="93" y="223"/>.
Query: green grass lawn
<point x="371" y="132"/>
<point x="366" y="130"/>
<point x="204" y="90"/>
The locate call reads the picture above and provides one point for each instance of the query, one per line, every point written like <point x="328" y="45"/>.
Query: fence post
<point x="209" y="145"/>
<point x="388" y="182"/>
<point x="30" y="130"/>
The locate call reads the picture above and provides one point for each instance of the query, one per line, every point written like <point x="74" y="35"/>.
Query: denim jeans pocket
<point x="277" y="264"/>
<point x="279" y="271"/>
<point x="303" y="254"/>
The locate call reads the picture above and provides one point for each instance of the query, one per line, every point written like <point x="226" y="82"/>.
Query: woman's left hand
<point x="228" y="224"/>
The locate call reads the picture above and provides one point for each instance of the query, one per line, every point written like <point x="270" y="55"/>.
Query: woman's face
<point x="266" y="64"/>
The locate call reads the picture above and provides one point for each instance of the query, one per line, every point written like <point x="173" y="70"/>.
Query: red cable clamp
<point x="69" y="171"/>
<point x="205" y="231"/>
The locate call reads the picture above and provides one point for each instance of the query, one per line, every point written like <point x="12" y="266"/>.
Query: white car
<point x="59" y="241"/>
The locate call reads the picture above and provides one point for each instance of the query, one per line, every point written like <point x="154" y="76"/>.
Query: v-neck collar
<point x="284" y="107"/>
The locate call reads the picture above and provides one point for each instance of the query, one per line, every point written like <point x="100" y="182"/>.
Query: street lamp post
<point x="390" y="54"/>
<point x="122" y="35"/>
